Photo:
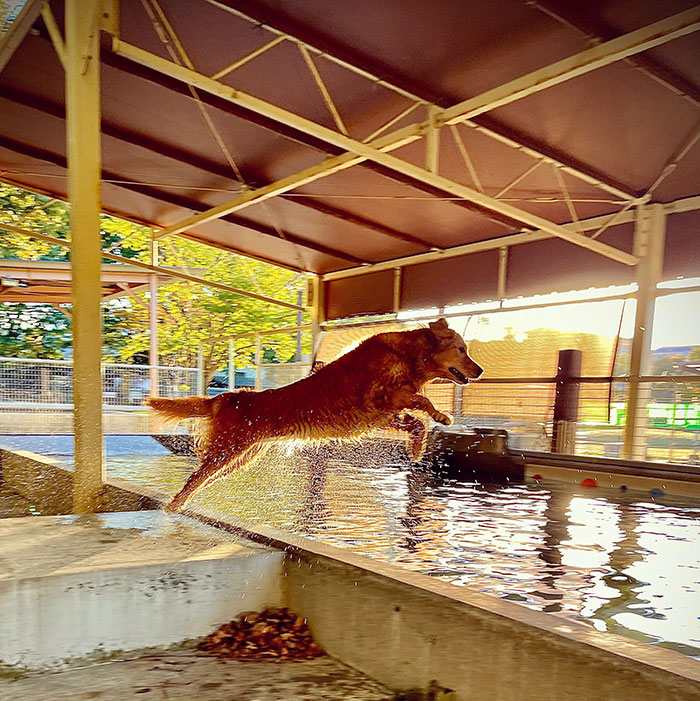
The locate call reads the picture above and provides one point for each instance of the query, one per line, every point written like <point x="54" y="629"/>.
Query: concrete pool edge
<point x="48" y="481"/>
<point x="401" y="627"/>
<point x="309" y="562"/>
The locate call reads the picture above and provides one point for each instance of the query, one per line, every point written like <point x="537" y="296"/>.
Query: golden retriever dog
<point x="376" y="385"/>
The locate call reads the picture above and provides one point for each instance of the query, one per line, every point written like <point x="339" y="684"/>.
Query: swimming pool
<point x="623" y="562"/>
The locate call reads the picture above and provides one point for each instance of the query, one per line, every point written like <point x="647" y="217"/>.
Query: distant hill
<point x="666" y="351"/>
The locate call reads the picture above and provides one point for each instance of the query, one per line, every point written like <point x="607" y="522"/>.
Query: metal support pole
<point x="502" y="271"/>
<point x="84" y="166"/>
<point x="258" y="362"/>
<point x="566" y="401"/>
<point x="153" y="360"/>
<point x="300" y="319"/>
<point x="231" y="365"/>
<point x="318" y="316"/>
<point x="397" y="290"/>
<point x="201" y="385"/>
<point x="649" y="239"/>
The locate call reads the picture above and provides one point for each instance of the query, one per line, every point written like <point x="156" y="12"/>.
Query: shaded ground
<point x="191" y="675"/>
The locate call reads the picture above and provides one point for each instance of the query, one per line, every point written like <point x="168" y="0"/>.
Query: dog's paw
<point x="444" y="419"/>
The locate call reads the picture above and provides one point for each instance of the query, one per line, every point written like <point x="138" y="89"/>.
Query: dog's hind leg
<point x="417" y="431"/>
<point x="214" y="467"/>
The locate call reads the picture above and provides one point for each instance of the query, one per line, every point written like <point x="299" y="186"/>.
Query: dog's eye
<point x="462" y="350"/>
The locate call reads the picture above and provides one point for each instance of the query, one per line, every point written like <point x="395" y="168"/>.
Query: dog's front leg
<point x="421" y="403"/>
<point x="416" y="429"/>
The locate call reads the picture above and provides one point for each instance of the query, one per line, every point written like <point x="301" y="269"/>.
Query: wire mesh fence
<point x="36" y="395"/>
<point x="279" y="375"/>
<point x="667" y="421"/>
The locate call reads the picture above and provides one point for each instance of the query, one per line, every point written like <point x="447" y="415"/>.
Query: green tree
<point x="190" y="315"/>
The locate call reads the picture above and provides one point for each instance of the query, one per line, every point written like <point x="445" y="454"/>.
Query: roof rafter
<point x="126" y="136"/>
<point x="144" y="72"/>
<point x="387" y="78"/>
<point x="186" y="203"/>
<point x="579" y="64"/>
<point x="467" y="248"/>
<point x="604" y="54"/>
<point x="575" y="16"/>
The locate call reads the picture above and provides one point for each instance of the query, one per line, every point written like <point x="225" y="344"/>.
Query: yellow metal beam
<point x="468" y="248"/>
<point x="13" y="37"/>
<point x="82" y="63"/>
<point x="603" y="54"/>
<point x="649" y="239"/>
<point x="54" y="32"/>
<point x="357" y="152"/>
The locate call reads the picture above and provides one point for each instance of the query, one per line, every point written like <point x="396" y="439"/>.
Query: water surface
<point x="624" y="562"/>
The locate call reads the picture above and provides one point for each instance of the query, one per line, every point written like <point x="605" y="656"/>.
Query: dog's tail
<point x="183" y="408"/>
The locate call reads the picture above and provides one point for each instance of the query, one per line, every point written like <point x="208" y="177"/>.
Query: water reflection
<point x="620" y="561"/>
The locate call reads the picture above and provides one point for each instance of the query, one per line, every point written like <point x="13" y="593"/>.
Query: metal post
<point x="153" y="323"/>
<point x="201" y="385"/>
<point x="502" y="271"/>
<point x="300" y="320"/>
<point x="231" y="365"/>
<point x="258" y="362"/>
<point x="397" y="290"/>
<point x="566" y="401"/>
<point x="649" y="239"/>
<point x="317" y="304"/>
<point x="83" y="148"/>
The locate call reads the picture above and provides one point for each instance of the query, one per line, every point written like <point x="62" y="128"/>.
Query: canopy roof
<point x="50" y="281"/>
<point x="333" y="137"/>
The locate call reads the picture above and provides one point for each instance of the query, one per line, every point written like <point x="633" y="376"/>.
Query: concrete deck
<point x="86" y="587"/>
<point x="190" y="675"/>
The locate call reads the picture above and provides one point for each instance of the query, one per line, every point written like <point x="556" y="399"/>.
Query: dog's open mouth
<point x="461" y="377"/>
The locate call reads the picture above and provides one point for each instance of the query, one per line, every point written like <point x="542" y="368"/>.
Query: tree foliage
<point x="191" y="316"/>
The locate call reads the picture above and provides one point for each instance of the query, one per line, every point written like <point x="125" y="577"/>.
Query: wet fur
<point x="376" y="385"/>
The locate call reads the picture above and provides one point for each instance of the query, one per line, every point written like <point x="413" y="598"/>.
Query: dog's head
<point x="451" y="360"/>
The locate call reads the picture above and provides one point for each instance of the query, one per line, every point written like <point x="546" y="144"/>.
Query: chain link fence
<point x="36" y="396"/>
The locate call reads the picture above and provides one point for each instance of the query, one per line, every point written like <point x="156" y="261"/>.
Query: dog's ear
<point x="439" y="328"/>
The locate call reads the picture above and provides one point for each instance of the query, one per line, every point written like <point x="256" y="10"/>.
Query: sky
<point x="676" y="321"/>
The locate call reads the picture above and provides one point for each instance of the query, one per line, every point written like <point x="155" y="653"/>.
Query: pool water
<point x="623" y="562"/>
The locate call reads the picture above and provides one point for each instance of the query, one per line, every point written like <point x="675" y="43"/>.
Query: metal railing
<point x="270" y="375"/>
<point x="668" y="427"/>
<point x="36" y="397"/>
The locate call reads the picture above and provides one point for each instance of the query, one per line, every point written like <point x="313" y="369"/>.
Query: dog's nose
<point x="479" y="371"/>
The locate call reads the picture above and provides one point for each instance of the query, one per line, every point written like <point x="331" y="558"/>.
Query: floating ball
<point x="537" y="477"/>
<point x="623" y="487"/>
<point x="589" y="482"/>
<point x="656" y="492"/>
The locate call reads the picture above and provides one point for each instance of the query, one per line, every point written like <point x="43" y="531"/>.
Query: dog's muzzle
<point x="459" y="375"/>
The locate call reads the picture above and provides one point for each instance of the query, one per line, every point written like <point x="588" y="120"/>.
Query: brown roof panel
<point x="161" y="162"/>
